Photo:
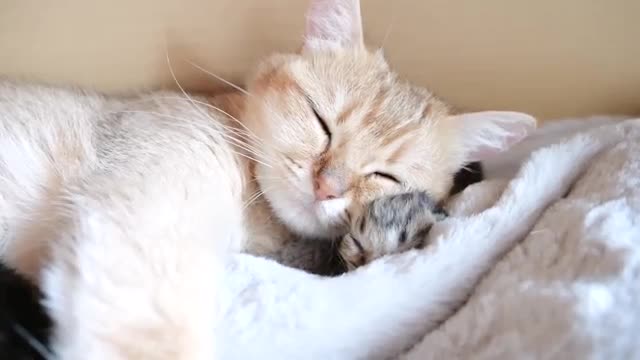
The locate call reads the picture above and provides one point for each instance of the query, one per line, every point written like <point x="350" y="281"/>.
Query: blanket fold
<point x="571" y="289"/>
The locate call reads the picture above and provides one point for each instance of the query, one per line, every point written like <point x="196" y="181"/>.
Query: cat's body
<point x="83" y="176"/>
<point x="123" y="208"/>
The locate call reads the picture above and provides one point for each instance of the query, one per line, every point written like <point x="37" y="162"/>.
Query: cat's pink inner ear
<point x="333" y="24"/>
<point x="488" y="133"/>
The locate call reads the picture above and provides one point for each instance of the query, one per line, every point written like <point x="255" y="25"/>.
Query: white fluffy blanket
<point x="568" y="287"/>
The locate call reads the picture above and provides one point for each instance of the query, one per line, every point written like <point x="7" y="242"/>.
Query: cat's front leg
<point x="136" y="272"/>
<point x="388" y="225"/>
<point x="137" y="280"/>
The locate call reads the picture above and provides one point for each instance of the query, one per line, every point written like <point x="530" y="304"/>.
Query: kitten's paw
<point x="390" y="224"/>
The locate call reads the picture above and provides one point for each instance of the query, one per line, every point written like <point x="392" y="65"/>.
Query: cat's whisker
<point x="249" y="132"/>
<point x="257" y="194"/>
<point x="249" y="149"/>
<point x="253" y="198"/>
<point x="218" y="77"/>
<point x="33" y="342"/>
<point x="269" y="178"/>
<point x="173" y="75"/>
<point x="239" y="132"/>
<point x="389" y="28"/>
<point x="175" y="79"/>
<point x="237" y="142"/>
<point x="192" y="101"/>
<point x="255" y="179"/>
<point x="279" y="179"/>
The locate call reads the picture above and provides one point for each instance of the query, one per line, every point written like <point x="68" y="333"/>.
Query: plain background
<point x="553" y="58"/>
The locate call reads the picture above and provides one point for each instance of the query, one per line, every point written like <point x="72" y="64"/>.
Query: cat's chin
<point x="314" y="219"/>
<point x="295" y="206"/>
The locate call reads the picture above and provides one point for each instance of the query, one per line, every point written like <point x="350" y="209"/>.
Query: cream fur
<point x="136" y="230"/>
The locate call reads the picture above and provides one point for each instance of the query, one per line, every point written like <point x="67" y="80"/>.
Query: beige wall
<point x="549" y="57"/>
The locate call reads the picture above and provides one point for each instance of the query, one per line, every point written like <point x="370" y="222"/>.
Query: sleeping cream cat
<point x="117" y="203"/>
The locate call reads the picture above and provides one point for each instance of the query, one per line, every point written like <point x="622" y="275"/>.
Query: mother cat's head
<point x="340" y="129"/>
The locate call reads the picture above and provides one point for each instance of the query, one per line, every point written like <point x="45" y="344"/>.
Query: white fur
<point x="125" y="206"/>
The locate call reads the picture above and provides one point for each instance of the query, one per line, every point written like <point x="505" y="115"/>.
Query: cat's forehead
<point x="339" y="80"/>
<point x="370" y="111"/>
<point x="362" y="87"/>
<point x="369" y="108"/>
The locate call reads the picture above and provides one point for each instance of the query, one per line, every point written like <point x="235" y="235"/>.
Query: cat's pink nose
<point x="326" y="189"/>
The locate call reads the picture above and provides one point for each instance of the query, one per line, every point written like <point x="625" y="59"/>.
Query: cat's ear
<point x="488" y="133"/>
<point x="333" y="24"/>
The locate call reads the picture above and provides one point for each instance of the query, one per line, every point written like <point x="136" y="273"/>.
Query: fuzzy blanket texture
<point x="567" y="288"/>
<point x="571" y="289"/>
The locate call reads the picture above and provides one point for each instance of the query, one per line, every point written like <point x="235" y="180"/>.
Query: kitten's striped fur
<point x="388" y="225"/>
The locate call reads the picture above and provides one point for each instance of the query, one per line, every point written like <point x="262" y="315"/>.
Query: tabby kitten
<point x="390" y="224"/>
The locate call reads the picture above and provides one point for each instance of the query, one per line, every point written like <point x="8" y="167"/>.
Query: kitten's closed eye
<point x="390" y="224"/>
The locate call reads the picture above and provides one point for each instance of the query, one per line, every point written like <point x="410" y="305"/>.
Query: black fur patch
<point x="317" y="256"/>
<point x="22" y="317"/>
<point x="403" y="237"/>
<point x="470" y="174"/>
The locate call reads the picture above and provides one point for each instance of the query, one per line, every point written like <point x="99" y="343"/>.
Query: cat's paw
<point x="390" y="224"/>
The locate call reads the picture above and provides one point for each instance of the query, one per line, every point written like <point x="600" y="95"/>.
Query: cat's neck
<point x="266" y="234"/>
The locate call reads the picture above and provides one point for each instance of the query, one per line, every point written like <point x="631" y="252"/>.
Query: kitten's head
<point x="339" y="129"/>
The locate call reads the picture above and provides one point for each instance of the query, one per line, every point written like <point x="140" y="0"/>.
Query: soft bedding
<point x="571" y="288"/>
<point x="567" y="288"/>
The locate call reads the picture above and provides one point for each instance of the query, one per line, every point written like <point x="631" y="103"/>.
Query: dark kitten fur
<point x="318" y="257"/>
<point x="24" y="324"/>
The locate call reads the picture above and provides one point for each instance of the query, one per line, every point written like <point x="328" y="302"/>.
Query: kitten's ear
<point x="333" y="24"/>
<point x="488" y="133"/>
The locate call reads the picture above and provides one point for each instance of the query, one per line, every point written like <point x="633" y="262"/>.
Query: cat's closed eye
<point x="386" y="176"/>
<point x="322" y="122"/>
